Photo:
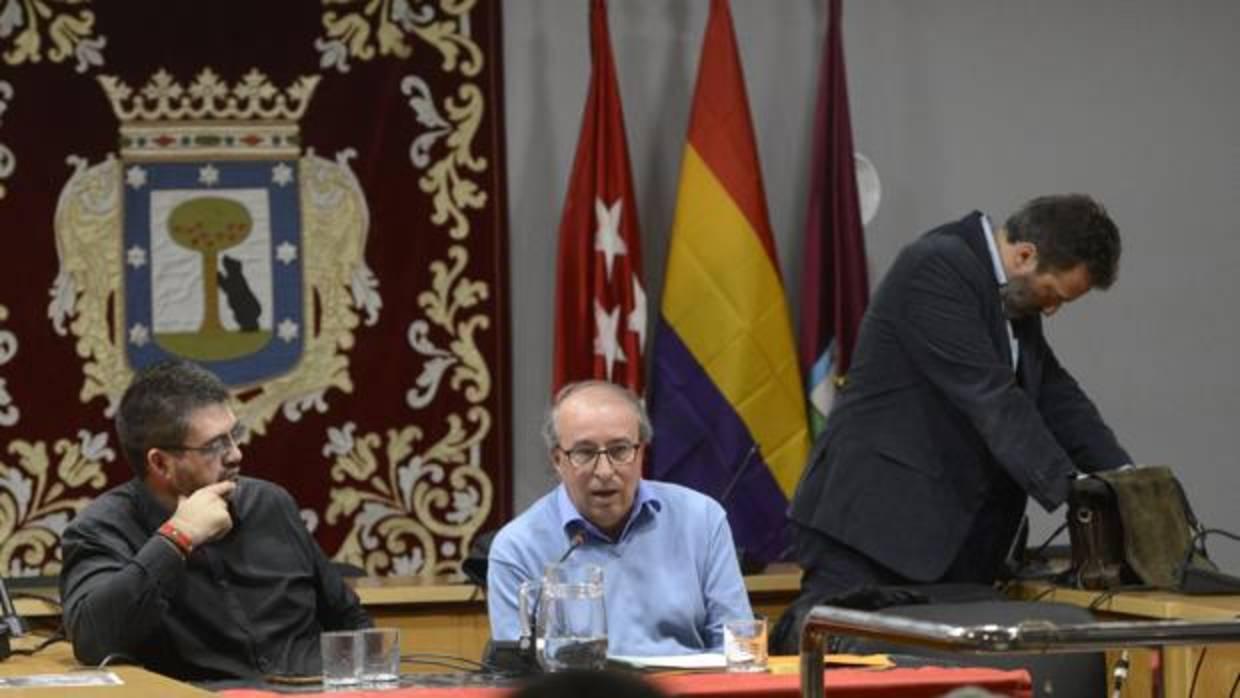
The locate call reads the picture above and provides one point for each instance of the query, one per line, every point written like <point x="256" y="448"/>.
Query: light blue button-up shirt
<point x="670" y="580"/>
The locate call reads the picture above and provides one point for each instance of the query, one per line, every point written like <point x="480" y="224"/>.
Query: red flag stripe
<point x="713" y="129"/>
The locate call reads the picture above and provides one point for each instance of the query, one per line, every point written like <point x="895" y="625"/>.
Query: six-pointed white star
<point x="288" y="330"/>
<point x="286" y="252"/>
<point x="607" y="237"/>
<point x="135" y="177"/>
<point x="281" y="174"/>
<point x="139" y="335"/>
<point x="136" y="257"/>
<point x="208" y="175"/>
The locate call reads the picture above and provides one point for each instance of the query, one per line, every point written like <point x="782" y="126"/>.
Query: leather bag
<point x="1132" y="527"/>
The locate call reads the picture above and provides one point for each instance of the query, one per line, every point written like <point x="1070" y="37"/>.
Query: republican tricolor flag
<point x="600" y="307"/>
<point x="726" y="396"/>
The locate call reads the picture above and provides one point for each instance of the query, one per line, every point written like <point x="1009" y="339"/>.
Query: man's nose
<point x="1049" y="310"/>
<point x="603" y="469"/>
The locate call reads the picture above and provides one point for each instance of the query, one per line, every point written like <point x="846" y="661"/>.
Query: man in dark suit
<point x="955" y="409"/>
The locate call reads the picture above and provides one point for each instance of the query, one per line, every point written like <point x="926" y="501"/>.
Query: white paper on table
<point x="78" y="678"/>
<point x="706" y="660"/>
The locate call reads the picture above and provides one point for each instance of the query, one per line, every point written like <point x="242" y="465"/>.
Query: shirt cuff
<point x="163" y="563"/>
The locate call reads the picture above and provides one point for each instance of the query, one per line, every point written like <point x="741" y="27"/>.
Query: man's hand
<point x="203" y="516"/>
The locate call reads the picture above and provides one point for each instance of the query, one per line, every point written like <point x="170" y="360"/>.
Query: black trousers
<point x="832" y="568"/>
<point x="836" y="574"/>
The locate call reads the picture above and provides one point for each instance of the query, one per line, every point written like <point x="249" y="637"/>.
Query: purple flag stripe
<point x="701" y="442"/>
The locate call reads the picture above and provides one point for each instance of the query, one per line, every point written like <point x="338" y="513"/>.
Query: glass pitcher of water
<point x="572" y="618"/>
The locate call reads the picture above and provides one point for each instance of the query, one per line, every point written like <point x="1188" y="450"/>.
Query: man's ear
<point x="1025" y="255"/>
<point x="555" y="464"/>
<point x="158" y="465"/>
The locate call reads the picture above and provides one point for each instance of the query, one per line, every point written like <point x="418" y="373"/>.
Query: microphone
<point x="575" y="542"/>
<point x="736" y="475"/>
<point x="11" y="624"/>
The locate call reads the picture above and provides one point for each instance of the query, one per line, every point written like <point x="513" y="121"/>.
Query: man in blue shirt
<point x="670" y="573"/>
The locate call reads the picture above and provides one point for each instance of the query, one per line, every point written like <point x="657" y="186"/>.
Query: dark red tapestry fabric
<point x="308" y="199"/>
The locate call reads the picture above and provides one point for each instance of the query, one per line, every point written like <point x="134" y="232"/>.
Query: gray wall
<point x="960" y="105"/>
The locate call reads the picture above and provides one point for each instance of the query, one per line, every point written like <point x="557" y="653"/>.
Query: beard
<point x="1018" y="298"/>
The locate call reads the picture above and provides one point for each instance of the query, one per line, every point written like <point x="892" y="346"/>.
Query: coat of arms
<point x="214" y="237"/>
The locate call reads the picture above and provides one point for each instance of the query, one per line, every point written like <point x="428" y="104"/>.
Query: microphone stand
<point x="742" y="556"/>
<point x="736" y="474"/>
<point x="10" y="623"/>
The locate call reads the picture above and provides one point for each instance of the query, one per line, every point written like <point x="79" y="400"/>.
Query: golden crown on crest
<point x="208" y="118"/>
<point x="209" y="97"/>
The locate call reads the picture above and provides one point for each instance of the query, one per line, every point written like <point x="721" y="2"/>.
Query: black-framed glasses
<point x="619" y="453"/>
<point x="217" y="447"/>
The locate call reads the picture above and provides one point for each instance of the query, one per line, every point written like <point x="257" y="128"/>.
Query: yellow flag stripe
<point x="725" y="299"/>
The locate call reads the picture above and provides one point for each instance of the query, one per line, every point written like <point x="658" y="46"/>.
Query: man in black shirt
<point x="188" y="568"/>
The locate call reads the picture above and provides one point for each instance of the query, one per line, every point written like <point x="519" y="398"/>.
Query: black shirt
<point x="249" y="604"/>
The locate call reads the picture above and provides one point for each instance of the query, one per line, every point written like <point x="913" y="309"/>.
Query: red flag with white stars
<point x="600" y="304"/>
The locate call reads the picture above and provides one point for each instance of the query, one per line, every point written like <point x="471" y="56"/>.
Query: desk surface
<point x="58" y="659"/>
<point x="924" y="682"/>
<point x="927" y="682"/>
<point x="1147" y="604"/>
<point x="1187" y="671"/>
<point x="435" y="615"/>
<point x="779" y="579"/>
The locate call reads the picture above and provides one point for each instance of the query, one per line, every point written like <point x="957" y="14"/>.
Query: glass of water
<point x="342" y="658"/>
<point x="573" y="617"/>
<point x="381" y="656"/>
<point x="744" y="644"/>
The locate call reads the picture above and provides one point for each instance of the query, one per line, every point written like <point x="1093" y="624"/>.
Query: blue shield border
<point x="277" y="357"/>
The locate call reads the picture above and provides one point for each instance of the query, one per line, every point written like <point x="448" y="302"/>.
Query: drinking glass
<point x="342" y="658"/>
<point x="744" y="644"/>
<point x="381" y="656"/>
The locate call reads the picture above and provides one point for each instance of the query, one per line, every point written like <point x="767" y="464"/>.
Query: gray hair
<point x="645" y="432"/>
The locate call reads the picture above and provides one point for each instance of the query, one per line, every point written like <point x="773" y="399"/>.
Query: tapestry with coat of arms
<point x="306" y="198"/>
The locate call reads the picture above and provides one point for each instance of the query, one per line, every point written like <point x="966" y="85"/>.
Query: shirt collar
<point x="993" y="247"/>
<point x="1001" y="277"/>
<point x="572" y="521"/>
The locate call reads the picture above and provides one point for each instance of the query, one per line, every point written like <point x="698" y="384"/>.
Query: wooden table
<point x="1220" y="666"/>
<point x="925" y="682"/>
<point x="448" y="616"/>
<point x="58" y="659"/>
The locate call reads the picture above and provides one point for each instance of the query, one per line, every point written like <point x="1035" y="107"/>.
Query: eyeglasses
<point x="586" y="458"/>
<point x="217" y="447"/>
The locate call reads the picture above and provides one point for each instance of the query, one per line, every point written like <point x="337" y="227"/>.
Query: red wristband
<point x="178" y="538"/>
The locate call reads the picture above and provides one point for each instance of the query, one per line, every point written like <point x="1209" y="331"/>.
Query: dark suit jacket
<point x="935" y="441"/>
